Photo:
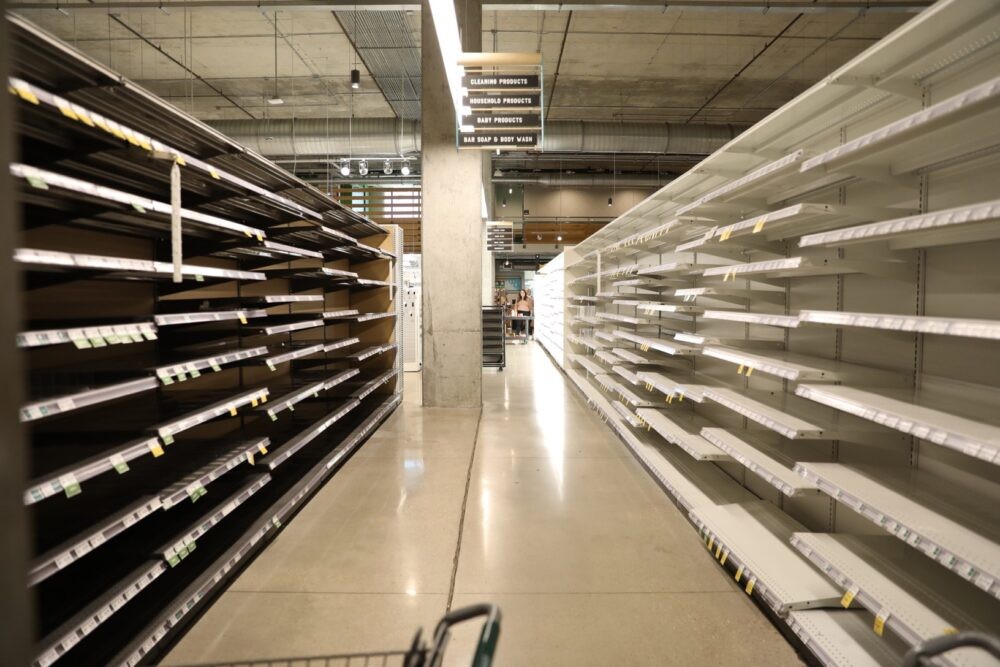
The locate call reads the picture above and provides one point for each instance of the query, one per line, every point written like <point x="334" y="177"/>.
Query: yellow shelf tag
<point x="759" y="227"/>
<point x="232" y="411"/>
<point x="739" y="573"/>
<point x="243" y="317"/>
<point x="155" y="449"/>
<point x="749" y="370"/>
<point x="67" y="111"/>
<point x="739" y="371"/>
<point x="214" y="173"/>
<point x="718" y="551"/>
<point x="711" y="542"/>
<point x="253" y="402"/>
<point x="750" y="584"/>
<point x="260" y="237"/>
<point x="848" y="598"/>
<point x="25" y="93"/>
<point x="725" y="557"/>
<point x="262" y="448"/>
<point x="879" y="625"/>
<point x="250" y="458"/>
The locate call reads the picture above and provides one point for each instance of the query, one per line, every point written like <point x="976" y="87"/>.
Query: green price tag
<point x="195" y="373"/>
<point x="38" y="182"/>
<point x="82" y="343"/>
<point x="174" y="560"/>
<point x="138" y="207"/>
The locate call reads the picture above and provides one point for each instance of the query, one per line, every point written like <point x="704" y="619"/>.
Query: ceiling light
<point x="345" y="168"/>
<point x="538" y="237"/>
<point x="386" y="167"/>
<point x="405" y="169"/>
<point x="363" y="169"/>
<point x="275" y="101"/>
<point x="355" y="79"/>
<point x="504" y="204"/>
<point x="559" y="238"/>
<point x="497" y="173"/>
<point x="510" y="191"/>
<point x="610" y="201"/>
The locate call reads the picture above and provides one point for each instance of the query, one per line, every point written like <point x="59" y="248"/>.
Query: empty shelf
<point x="800" y="267"/>
<point x="43" y="179"/>
<point x="781" y="422"/>
<point x="639" y="357"/>
<point x="607" y="357"/>
<point x="794" y="367"/>
<point x="970" y="437"/>
<point x="974" y="222"/>
<point x="896" y="592"/>
<point x="175" y="319"/>
<point x="615" y="317"/>
<point x="842" y="638"/>
<point x="293" y="445"/>
<point x="293" y="326"/>
<point x="229" y="406"/>
<point x="893" y="141"/>
<point x="89" y="337"/>
<point x="274" y="360"/>
<point x="347" y="313"/>
<point x="942" y="326"/>
<point x="69" y="634"/>
<point x="373" y="384"/>
<point x="800" y="218"/>
<point x="124" y="267"/>
<point x="632" y="398"/>
<point x="288" y="401"/>
<point x="786" y="321"/>
<point x="969" y="554"/>
<point x="755" y="537"/>
<point x="671" y="268"/>
<point x="626" y="373"/>
<point x="62" y="404"/>
<point x="589" y="365"/>
<point x="180" y="546"/>
<point x="659" y="344"/>
<point x="64" y="479"/>
<point x="630" y="418"/>
<point x="692" y="443"/>
<point x="776" y="473"/>
<point x="194" y="368"/>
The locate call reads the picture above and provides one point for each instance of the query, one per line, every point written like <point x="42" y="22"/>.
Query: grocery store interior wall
<point x="569" y="202"/>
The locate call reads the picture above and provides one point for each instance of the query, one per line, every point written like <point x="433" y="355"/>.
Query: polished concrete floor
<point x="530" y="503"/>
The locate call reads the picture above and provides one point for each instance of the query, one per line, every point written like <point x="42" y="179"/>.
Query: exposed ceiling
<point x="681" y="65"/>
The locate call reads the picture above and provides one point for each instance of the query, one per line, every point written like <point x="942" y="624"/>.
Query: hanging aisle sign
<point x="502" y="102"/>
<point x="499" y="236"/>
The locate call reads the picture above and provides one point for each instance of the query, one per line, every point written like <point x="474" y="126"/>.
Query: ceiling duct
<point x="374" y="137"/>
<point x="585" y="180"/>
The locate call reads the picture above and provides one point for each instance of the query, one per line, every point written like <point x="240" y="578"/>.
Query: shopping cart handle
<point x="945" y="643"/>
<point x="488" y="637"/>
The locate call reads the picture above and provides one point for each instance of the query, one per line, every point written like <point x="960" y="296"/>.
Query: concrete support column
<point x="451" y="231"/>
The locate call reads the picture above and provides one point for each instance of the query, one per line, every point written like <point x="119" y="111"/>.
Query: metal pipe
<point x="754" y="6"/>
<point x="376" y="137"/>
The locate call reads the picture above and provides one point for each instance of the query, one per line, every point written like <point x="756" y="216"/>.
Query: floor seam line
<point x="461" y="517"/>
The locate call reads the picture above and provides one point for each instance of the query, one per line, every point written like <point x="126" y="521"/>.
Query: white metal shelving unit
<point x="840" y="257"/>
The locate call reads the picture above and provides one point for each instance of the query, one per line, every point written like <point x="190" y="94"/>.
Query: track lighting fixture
<point x="386" y="167"/>
<point x="345" y="168"/>
<point x="610" y="201"/>
<point x="355" y="79"/>
<point x="405" y="169"/>
<point x="363" y="167"/>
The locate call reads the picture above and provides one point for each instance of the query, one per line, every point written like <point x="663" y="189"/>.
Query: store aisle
<point x="589" y="561"/>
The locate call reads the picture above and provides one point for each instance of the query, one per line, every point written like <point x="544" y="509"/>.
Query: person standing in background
<point x="531" y="310"/>
<point x="522" y="306"/>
